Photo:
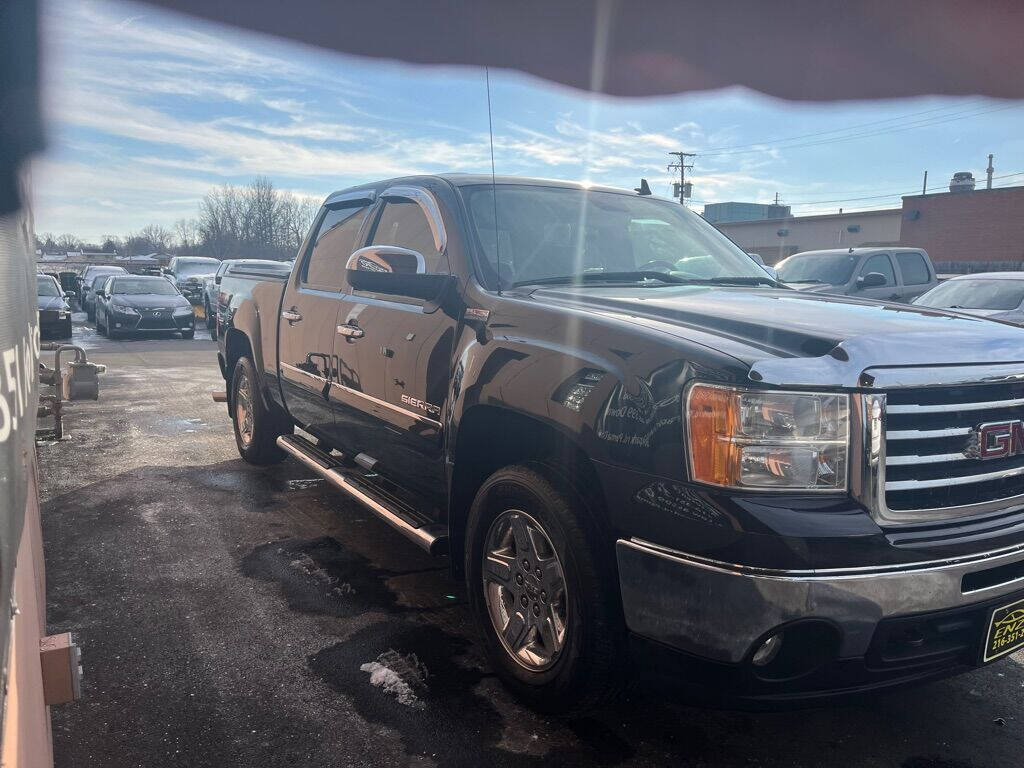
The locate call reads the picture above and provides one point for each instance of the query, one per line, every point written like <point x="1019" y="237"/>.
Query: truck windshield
<point x="194" y="268"/>
<point x="548" y="233"/>
<point x="829" y="268"/>
<point x="975" y="294"/>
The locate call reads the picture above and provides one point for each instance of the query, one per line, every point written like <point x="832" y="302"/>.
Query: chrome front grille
<point x="932" y="447"/>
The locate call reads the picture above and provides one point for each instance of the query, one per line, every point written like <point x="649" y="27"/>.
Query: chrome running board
<point x="433" y="537"/>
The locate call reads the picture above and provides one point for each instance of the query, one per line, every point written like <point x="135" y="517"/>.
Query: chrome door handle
<point x="291" y="316"/>
<point x="351" y="331"/>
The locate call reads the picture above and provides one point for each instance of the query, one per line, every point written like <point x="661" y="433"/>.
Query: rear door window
<point x="915" y="270"/>
<point x="882" y="264"/>
<point x="334" y="243"/>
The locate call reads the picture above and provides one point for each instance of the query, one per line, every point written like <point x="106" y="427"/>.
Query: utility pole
<point x="776" y="198"/>
<point x="924" y="184"/>
<point x="681" y="166"/>
<point x="989" y="170"/>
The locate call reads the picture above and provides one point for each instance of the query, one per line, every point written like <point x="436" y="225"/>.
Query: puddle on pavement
<point x="319" y="576"/>
<point x="442" y="711"/>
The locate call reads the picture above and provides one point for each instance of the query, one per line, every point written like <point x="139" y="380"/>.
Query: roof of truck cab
<point x="989" y="276"/>
<point x="861" y="250"/>
<point x="477" y="179"/>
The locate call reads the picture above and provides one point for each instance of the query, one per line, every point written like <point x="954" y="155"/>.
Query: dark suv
<point x="635" y="445"/>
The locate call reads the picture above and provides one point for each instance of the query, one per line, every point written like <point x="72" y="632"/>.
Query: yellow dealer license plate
<point x="1005" y="631"/>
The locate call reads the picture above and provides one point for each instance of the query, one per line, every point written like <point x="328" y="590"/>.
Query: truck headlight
<point x="765" y="440"/>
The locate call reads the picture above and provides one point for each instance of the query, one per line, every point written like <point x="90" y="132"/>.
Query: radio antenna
<point x="494" y="186"/>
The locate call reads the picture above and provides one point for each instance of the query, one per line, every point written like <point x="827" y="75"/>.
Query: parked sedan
<point x="998" y="295"/>
<point x="87" y="299"/>
<point x="138" y="303"/>
<point x="54" y="310"/>
<point x="90" y="273"/>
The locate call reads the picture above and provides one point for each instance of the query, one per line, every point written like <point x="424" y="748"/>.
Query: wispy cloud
<point x="149" y="110"/>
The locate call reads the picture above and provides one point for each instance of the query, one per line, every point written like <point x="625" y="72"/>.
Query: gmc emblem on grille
<point x="997" y="440"/>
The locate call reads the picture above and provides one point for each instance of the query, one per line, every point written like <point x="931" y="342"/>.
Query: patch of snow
<point x="298" y="485"/>
<point x="307" y="565"/>
<point x="398" y="676"/>
<point x="79" y="317"/>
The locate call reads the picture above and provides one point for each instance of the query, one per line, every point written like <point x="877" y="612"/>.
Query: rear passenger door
<point x="309" y="314"/>
<point x="881" y="263"/>
<point x="916" y="273"/>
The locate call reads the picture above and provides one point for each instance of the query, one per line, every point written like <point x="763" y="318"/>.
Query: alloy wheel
<point x="243" y="408"/>
<point x="525" y="590"/>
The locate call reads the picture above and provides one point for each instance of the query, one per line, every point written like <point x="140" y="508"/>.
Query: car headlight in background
<point x="767" y="440"/>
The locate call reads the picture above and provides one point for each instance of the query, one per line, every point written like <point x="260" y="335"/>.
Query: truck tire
<point x="256" y="429"/>
<point x="545" y="603"/>
<point x="209" y="316"/>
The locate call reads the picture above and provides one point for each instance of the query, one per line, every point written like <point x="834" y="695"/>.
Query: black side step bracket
<point x="389" y="502"/>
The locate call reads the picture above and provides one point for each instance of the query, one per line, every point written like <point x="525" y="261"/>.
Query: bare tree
<point x="158" y="236"/>
<point x="112" y="244"/>
<point x="189" y="236"/>
<point x="46" y="242"/>
<point x="68" y="242"/>
<point x="254" y="221"/>
<point x="295" y="216"/>
<point x="220" y="214"/>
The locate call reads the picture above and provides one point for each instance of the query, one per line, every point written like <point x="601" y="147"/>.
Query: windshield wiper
<point x="603" y="277"/>
<point x="738" y="281"/>
<point x="643" y="275"/>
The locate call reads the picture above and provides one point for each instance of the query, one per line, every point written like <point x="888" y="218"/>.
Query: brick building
<point x="961" y="228"/>
<point x="775" y="239"/>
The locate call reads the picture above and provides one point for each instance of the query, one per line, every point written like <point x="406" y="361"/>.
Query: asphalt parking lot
<point x="236" y="616"/>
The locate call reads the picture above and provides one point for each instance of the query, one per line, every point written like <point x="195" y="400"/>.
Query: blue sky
<point x="148" y="110"/>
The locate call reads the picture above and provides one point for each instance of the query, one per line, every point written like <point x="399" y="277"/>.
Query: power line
<point x="893" y="194"/>
<point x="926" y="123"/>
<point x="836" y="130"/>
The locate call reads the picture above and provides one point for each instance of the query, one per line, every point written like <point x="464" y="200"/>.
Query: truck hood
<point x="807" y="339"/>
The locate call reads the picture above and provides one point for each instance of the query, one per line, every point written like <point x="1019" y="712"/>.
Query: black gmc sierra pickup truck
<point x="636" y="447"/>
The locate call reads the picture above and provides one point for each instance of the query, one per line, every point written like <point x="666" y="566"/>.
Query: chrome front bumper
<point x="719" y="610"/>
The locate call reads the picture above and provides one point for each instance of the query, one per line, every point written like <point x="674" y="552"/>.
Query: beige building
<point x="775" y="239"/>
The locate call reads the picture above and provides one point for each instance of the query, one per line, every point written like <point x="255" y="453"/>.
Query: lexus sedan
<point x="137" y="303"/>
<point x="996" y="295"/>
<point x="54" y="310"/>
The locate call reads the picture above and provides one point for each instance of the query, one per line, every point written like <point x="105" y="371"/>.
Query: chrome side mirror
<point x="387" y="259"/>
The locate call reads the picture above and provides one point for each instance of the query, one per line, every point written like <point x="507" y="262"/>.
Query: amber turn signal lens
<point x="767" y="440"/>
<point x="712" y="414"/>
